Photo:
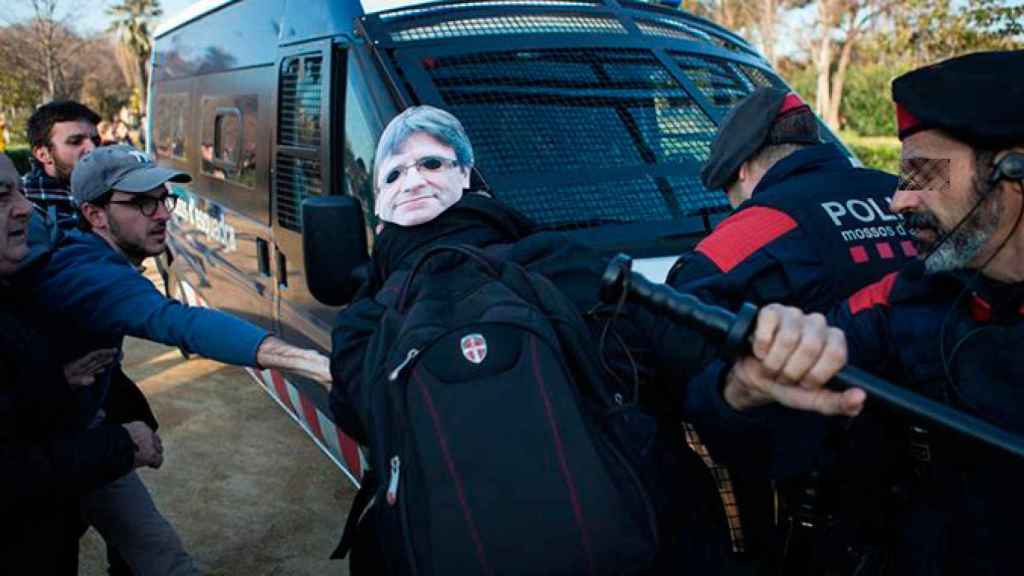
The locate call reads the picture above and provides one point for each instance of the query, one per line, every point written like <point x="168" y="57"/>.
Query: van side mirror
<point x="333" y="247"/>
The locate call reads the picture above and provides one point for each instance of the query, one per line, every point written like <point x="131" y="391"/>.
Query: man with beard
<point x="951" y="327"/>
<point x="88" y="292"/>
<point x="60" y="133"/>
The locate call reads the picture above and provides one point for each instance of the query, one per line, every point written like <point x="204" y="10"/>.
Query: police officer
<point x="809" y="229"/>
<point x="950" y="326"/>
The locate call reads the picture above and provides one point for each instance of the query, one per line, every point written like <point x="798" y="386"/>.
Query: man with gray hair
<point x="434" y="143"/>
<point x="89" y="293"/>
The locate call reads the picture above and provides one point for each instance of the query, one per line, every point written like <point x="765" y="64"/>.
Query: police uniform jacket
<point x="815" y="230"/>
<point x="957" y="338"/>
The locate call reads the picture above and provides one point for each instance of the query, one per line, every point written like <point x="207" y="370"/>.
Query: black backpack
<point x="497" y="446"/>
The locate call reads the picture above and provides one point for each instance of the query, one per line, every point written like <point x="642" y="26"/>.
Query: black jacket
<point x="958" y="338"/>
<point x="47" y="462"/>
<point x="660" y="354"/>
<point x="815" y="230"/>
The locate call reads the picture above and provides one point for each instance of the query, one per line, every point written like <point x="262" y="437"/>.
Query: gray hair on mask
<point x="435" y="122"/>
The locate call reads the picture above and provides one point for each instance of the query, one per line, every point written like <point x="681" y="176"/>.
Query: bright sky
<point x="93" y="13"/>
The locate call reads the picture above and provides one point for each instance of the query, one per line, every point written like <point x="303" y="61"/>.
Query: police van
<point x="589" y="116"/>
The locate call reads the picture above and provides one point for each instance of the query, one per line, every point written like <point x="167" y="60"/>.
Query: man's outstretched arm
<point x="278" y="354"/>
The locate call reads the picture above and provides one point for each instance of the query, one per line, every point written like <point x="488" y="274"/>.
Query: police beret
<point x="746" y="128"/>
<point x="977" y="98"/>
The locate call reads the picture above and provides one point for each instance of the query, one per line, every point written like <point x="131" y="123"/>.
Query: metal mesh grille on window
<point x="616" y="200"/>
<point x="301" y="92"/>
<point x="730" y="45"/>
<point x="296" y="180"/>
<point x="694" y="198"/>
<point x="719" y="81"/>
<point x="759" y="77"/>
<point x="566" y="111"/>
<point x="672" y="29"/>
<point x="426" y="10"/>
<point x="517" y="24"/>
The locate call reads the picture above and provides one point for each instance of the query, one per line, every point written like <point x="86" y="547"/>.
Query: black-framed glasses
<point x="148" y="204"/>
<point x="425" y="165"/>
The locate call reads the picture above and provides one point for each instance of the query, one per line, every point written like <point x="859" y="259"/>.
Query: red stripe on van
<point x="282" y="390"/>
<point x="350" y="451"/>
<point x="309" y="411"/>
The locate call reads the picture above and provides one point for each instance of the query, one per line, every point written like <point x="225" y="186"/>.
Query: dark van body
<point x="592" y="116"/>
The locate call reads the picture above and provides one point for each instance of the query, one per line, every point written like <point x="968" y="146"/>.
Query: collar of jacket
<point x="44" y="180"/>
<point x="819" y="157"/>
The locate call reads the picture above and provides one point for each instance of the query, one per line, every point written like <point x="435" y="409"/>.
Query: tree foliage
<point x="132" y="21"/>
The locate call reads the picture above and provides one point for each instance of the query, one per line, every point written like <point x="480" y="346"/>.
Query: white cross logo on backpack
<point x="474" y="347"/>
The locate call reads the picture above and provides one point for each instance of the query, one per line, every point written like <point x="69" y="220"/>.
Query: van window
<point x="544" y="122"/>
<point x="170" y="138"/>
<point x="229" y="144"/>
<point x="299" y="174"/>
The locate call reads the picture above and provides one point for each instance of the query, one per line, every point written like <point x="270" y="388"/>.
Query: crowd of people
<point x="517" y="423"/>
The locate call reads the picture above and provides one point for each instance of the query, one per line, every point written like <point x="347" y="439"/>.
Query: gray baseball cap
<point x="120" y="168"/>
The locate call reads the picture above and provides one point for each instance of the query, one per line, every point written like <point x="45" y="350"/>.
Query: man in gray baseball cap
<point x="113" y="186"/>
<point x="120" y="167"/>
<point x="88" y="293"/>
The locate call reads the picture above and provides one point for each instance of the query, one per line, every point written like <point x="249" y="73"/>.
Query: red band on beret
<point x="791" y="102"/>
<point x="906" y="122"/>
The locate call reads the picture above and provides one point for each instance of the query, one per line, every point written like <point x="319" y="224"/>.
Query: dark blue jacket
<point x="90" y="296"/>
<point x="815" y="230"/>
<point x="957" y="338"/>
<point x="45" y="462"/>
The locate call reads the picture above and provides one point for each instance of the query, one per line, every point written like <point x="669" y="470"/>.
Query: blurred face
<point x="939" y="186"/>
<point x="123" y="224"/>
<point x="69" y="141"/>
<point x="15" y="210"/>
<point x="419" y="182"/>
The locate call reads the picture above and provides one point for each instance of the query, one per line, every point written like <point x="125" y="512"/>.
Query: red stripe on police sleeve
<point x="744" y="233"/>
<point x="872" y="295"/>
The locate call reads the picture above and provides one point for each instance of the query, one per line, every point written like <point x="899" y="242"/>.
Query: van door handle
<point x="282" y="269"/>
<point x="263" y="256"/>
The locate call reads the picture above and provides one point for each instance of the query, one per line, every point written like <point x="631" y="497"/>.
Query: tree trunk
<point x="832" y="119"/>
<point x="768" y="14"/>
<point x="143" y="82"/>
<point x="823" y="59"/>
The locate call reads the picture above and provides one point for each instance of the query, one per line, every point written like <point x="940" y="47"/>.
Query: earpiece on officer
<point x="1011" y="167"/>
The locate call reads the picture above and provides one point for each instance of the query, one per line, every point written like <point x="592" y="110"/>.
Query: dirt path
<point x="249" y="493"/>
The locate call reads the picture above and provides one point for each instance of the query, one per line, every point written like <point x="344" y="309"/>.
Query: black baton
<point x="735" y="329"/>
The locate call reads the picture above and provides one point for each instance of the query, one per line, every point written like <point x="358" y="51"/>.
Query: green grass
<point x="880" y="152"/>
